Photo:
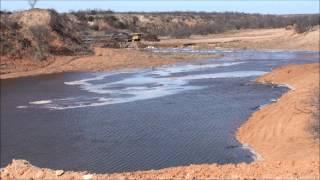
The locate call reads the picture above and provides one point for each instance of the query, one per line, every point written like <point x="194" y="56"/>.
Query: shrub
<point x="94" y="27"/>
<point x="305" y="23"/>
<point x="177" y="24"/>
<point x="91" y="18"/>
<point x="41" y="37"/>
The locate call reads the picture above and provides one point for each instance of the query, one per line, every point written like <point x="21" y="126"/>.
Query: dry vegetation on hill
<point x="38" y="33"/>
<point x="184" y="24"/>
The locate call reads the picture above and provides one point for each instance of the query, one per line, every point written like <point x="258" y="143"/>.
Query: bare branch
<point x="32" y="3"/>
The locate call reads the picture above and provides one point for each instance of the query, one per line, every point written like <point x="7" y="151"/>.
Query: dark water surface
<point x="139" y="119"/>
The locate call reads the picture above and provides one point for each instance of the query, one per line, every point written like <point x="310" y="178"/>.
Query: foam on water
<point x="146" y="84"/>
<point x="22" y="107"/>
<point x="256" y="156"/>
<point x="166" y="71"/>
<point x="41" y="102"/>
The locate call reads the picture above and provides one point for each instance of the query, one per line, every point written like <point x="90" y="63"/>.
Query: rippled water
<point x="139" y="119"/>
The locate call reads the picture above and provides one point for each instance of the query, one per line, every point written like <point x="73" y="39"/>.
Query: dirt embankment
<point x="253" y="39"/>
<point x="280" y="132"/>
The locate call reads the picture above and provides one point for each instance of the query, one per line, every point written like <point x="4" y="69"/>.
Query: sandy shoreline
<point x="285" y="39"/>
<point x="103" y="59"/>
<point x="279" y="133"/>
<point x="273" y="131"/>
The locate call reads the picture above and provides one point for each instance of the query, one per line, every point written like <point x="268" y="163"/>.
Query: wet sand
<point x="279" y="132"/>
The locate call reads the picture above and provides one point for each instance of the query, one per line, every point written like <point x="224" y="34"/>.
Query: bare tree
<point x="32" y="3"/>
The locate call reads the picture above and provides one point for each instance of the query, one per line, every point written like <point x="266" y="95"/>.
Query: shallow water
<point x="139" y="119"/>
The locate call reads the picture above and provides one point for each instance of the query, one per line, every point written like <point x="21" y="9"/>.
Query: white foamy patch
<point x="22" y="107"/>
<point x="224" y="75"/>
<point x="166" y="71"/>
<point x="191" y="50"/>
<point x="287" y="86"/>
<point x="84" y="81"/>
<point x="41" y="102"/>
<point x="274" y="100"/>
<point x="256" y="156"/>
<point x="138" y="86"/>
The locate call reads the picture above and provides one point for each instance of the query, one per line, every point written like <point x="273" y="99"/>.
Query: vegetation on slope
<point x="38" y="33"/>
<point x="184" y="24"/>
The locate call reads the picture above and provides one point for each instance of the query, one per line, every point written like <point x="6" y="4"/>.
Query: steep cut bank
<point x="295" y="155"/>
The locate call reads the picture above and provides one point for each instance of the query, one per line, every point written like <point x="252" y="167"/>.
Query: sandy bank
<point x="279" y="132"/>
<point x="252" y="39"/>
<point x="104" y="59"/>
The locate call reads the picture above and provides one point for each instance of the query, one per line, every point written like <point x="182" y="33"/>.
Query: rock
<point x="59" y="172"/>
<point x="87" y="176"/>
<point x="38" y="175"/>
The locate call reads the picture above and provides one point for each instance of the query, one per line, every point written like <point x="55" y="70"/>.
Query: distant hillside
<point x="184" y="24"/>
<point x="39" y="33"/>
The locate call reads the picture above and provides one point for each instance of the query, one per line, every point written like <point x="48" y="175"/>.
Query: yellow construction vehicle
<point x="135" y="37"/>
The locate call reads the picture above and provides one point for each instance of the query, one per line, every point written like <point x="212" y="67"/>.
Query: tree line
<point x="177" y="24"/>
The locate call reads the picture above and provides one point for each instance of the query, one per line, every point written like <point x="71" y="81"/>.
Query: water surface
<point x="139" y="119"/>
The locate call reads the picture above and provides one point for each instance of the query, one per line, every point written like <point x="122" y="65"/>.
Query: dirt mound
<point x="39" y="32"/>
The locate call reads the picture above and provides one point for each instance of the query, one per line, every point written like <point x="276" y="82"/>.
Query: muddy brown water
<point x="139" y="119"/>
